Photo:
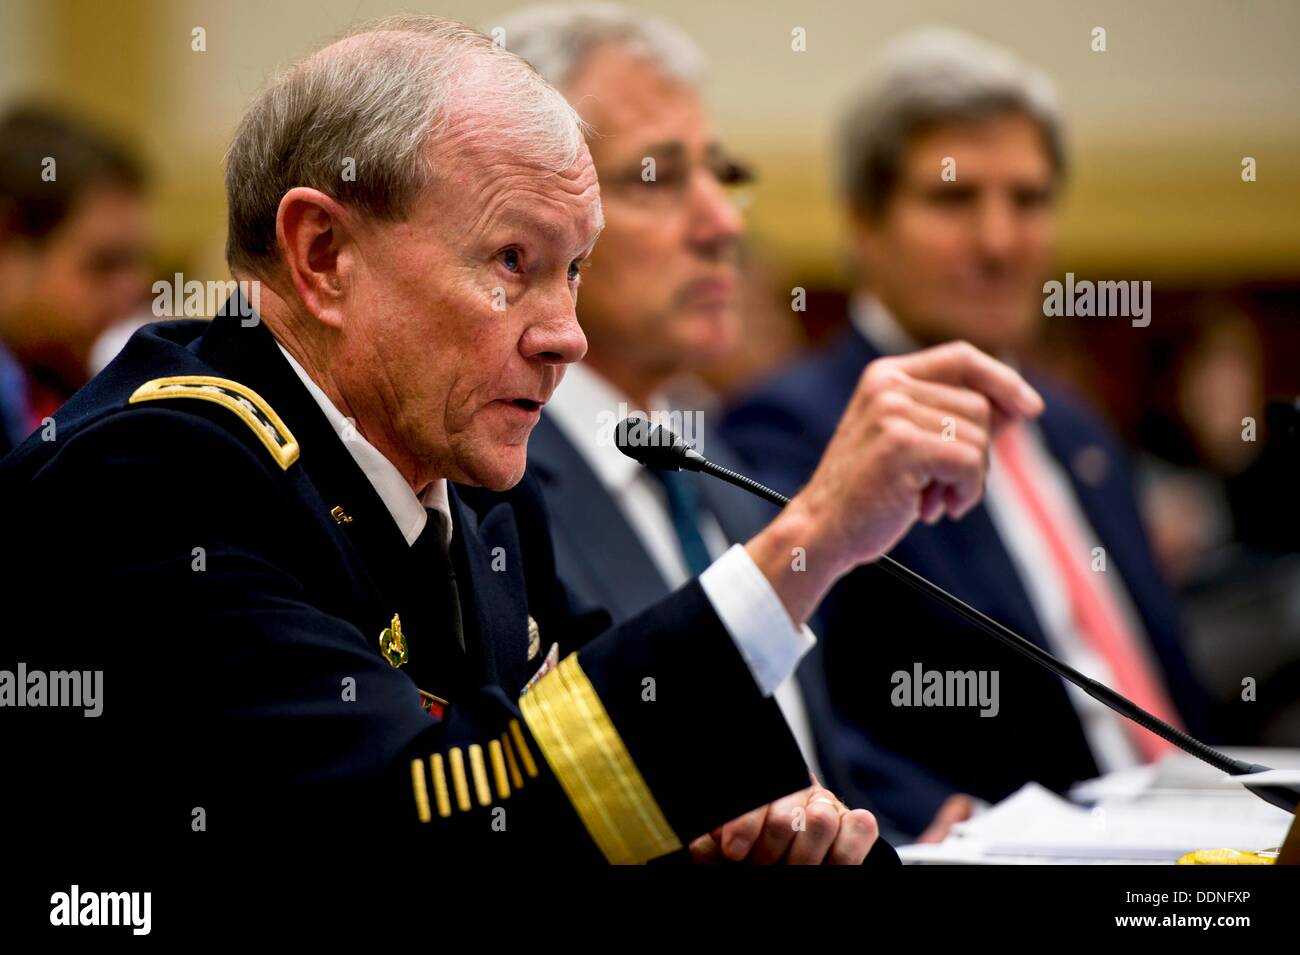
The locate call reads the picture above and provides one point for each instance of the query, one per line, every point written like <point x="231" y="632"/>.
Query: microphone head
<point x="655" y="446"/>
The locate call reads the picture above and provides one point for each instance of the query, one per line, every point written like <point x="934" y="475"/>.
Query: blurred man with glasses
<point x="658" y="300"/>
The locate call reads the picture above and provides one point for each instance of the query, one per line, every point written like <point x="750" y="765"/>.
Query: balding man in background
<point x="659" y="300"/>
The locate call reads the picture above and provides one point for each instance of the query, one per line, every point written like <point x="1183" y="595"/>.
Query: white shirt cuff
<point x="755" y="617"/>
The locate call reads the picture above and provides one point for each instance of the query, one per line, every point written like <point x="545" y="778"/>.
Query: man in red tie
<point x="951" y="165"/>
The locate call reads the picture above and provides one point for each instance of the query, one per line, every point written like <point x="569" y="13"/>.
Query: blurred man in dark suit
<point x="73" y="236"/>
<point x="951" y="165"/>
<point x="658" y="301"/>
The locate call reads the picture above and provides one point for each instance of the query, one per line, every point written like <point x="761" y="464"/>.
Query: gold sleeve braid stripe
<point x="525" y="756"/>
<point x="499" y="767"/>
<point x="440" y="785"/>
<point x="593" y="766"/>
<point x="515" y="777"/>
<point x="421" y="790"/>
<point x="243" y="401"/>
<point x="456" y="759"/>
<point x="479" y="769"/>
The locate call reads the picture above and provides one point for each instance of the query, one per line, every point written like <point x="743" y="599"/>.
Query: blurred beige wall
<point x="1159" y="122"/>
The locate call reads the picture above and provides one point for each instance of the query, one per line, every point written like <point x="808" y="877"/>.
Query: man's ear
<point x="316" y="247"/>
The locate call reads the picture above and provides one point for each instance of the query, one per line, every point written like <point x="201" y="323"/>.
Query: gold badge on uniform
<point x="392" y="643"/>
<point x="534" y="638"/>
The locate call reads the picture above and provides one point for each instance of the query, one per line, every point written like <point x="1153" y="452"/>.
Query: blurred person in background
<point x="659" y="301"/>
<point x="767" y="341"/>
<point x="73" y="239"/>
<point x="1219" y="483"/>
<point x="1213" y="435"/>
<point x="1056" y="551"/>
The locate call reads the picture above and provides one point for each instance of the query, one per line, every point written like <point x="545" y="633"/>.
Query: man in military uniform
<point x="296" y="543"/>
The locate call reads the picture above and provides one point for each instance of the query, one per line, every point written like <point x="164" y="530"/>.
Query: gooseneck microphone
<point x="657" y="447"/>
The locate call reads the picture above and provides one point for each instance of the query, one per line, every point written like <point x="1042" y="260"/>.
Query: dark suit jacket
<point x="599" y="554"/>
<point x="906" y="761"/>
<point x="184" y="544"/>
<point x="597" y="551"/>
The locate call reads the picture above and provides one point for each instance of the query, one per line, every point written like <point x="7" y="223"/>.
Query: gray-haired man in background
<point x="659" y="300"/>
<point x="951" y="162"/>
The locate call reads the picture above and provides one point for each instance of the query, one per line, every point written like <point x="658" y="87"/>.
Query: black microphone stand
<point x="664" y="450"/>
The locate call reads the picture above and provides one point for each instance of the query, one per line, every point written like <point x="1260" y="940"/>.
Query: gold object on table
<point x="1229" y="857"/>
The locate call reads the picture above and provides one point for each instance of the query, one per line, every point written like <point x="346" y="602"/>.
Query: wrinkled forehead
<point x="630" y="102"/>
<point x="490" y="177"/>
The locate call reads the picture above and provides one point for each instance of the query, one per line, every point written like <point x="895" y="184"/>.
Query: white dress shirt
<point x="741" y="595"/>
<point x="408" y="510"/>
<point x="1108" y="737"/>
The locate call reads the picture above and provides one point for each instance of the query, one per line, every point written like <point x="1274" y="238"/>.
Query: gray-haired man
<point x="659" y="299"/>
<point x="951" y="161"/>
<point x="326" y="599"/>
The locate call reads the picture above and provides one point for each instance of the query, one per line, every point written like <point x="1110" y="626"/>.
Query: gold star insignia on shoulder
<point x="392" y="642"/>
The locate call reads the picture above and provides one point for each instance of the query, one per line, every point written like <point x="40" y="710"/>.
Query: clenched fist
<point x="912" y="445"/>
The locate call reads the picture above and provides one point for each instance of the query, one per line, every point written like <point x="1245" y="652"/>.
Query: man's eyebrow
<point x="521" y="216"/>
<point x="666" y="149"/>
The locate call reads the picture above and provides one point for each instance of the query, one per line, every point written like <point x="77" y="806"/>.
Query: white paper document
<point x="1153" y="816"/>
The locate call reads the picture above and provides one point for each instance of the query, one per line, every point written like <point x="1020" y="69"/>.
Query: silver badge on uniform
<point x="534" y="638"/>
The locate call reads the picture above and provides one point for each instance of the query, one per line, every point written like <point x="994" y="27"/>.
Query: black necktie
<point x="432" y="555"/>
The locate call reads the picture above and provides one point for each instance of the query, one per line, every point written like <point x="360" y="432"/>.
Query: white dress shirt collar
<point x="875" y="323"/>
<point x="407" y="509"/>
<point x="586" y="408"/>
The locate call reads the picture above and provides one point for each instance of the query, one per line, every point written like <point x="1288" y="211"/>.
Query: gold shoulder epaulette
<point x="245" y="402"/>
